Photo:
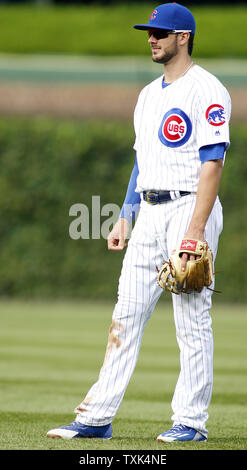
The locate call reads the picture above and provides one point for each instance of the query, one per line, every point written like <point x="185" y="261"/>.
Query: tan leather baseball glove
<point x="198" y="273"/>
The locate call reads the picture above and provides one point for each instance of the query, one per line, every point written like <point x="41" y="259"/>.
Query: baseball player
<point x="182" y="134"/>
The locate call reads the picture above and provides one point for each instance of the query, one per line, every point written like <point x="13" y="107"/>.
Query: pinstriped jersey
<point x="173" y="123"/>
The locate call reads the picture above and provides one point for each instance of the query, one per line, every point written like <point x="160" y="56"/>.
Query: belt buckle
<point x="149" y="195"/>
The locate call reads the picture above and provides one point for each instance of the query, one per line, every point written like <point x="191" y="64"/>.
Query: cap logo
<point x="175" y="129"/>
<point x="215" y="115"/>
<point x="153" y="15"/>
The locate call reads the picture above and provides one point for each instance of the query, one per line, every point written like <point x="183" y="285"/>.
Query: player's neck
<point x="176" y="69"/>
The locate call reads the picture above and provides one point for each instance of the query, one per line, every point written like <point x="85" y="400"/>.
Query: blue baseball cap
<point x="170" y="16"/>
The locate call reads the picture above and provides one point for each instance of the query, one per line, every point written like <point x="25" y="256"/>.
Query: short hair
<point x="191" y="44"/>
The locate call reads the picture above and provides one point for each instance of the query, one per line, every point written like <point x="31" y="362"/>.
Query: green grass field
<point x="51" y="354"/>
<point x="108" y="31"/>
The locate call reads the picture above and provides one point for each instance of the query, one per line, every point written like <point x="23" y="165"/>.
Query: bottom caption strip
<point x="111" y="459"/>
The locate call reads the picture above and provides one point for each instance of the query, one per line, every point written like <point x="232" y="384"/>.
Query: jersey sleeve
<point x="212" y="116"/>
<point x="139" y="108"/>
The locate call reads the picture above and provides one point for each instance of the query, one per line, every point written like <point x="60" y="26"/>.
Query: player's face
<point x="163" y="45"/>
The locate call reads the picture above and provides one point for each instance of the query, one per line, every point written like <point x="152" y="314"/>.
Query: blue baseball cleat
<point x="76" y="430"/>
<point x="181" y="433"/>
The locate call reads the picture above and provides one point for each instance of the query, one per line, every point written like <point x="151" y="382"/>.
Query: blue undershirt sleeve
<point x="132" y="200"/>
<point x="212" y="152"/>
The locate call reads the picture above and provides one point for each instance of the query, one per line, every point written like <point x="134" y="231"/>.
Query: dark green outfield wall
<point x="47" y="166"/>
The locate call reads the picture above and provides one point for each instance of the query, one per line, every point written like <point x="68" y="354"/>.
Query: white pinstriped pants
<point x="157" y="231"/>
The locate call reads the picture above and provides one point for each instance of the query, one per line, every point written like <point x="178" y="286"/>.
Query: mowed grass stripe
<point x="51" y="353"/>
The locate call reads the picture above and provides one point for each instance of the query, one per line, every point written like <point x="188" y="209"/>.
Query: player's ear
<point x="184" y="38"/>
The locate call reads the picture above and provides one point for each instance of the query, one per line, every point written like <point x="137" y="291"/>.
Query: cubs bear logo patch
<point x="175" y="129"/>
<point x="215" y="115"/>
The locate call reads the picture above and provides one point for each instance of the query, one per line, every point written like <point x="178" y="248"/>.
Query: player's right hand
<point x="116" y="238"/>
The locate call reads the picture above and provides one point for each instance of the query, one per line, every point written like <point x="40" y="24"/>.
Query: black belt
<point x="157" y="197"/>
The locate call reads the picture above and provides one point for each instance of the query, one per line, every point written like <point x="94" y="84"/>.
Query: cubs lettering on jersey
<point x="175" y="128"/>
